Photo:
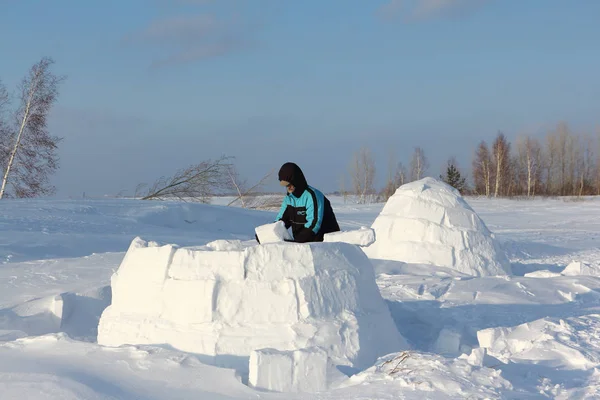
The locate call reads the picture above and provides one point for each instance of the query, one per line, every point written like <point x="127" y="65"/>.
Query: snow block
<point x="225" y="300"/>
<point x="361" y="237"/>
<point x="577" y="268"/>
<point x="448" y="342"/>
<point x="272" y="233"/>
<point x="303" y="370"/>
<point x="428" y="222"/>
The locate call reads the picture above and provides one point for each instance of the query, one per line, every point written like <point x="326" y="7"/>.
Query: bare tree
<point x="529" y="151"/>
<point x="198" y="182"/>
<point x="4" y="129"/>
<point x="363" y="174"/>
<point x="418" y="164"/>
<point x="550" y="157"/>
<point x="401" y="176"/>
<point x="501" y="152"/>
<point x="343" y="190"/>
<point x="32" y="154"/>
<point x="482" y="169"/>
<point x="245" y="195"/>
<point x="562" y="145"/>
<point x="585" y="166"/>
<point x="396" y="177"/>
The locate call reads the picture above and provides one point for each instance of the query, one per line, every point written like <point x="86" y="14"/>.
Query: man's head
<point x="291" y="176"/>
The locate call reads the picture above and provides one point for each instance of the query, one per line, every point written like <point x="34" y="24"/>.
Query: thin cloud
<point x="189" y="38"/>
<point x="424" y="9"/>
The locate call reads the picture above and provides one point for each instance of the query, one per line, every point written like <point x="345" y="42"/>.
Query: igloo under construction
<point x="428" y="222"/>
<point x="230" y="299"/>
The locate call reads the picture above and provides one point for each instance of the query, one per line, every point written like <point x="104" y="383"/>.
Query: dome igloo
<point x="228" y="299"/>
<point x="428" y="222"/>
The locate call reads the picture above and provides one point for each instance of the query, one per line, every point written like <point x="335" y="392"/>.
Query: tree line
<point x="561" y="164"/>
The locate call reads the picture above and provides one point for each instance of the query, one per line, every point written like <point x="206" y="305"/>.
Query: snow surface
<point x="539" y="325"/>
<point x="226" y="304"/>
<point x="428" y="222"/>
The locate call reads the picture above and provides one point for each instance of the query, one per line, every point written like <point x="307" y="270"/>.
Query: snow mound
<point x="428" y="222"/>
<point x="361" y="237"/>
<point x="303" y="370"/>
<point x="577" y="268"/>
<point x="429" y="373"/>
<point x="567" y="344"/>
<point x="226" y="303"/>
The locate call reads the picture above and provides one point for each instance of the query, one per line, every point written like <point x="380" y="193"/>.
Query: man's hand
<point x="305" y="235"/>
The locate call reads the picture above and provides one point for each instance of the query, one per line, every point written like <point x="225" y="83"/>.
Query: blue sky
<point x="155" y="85"/>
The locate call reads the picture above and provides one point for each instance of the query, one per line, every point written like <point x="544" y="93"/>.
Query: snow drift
<point x="428" y="222"/>
<point x="230" y="298"/>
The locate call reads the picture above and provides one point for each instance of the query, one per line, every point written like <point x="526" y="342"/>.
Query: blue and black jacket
<point x="307" y="211"/>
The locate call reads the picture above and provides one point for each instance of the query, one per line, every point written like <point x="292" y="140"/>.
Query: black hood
<point x="291" y="173"/>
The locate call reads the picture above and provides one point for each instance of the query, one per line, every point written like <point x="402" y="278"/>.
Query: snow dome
<point x="428" y="222"/>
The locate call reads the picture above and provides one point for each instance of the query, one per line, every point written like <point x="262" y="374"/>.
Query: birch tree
<point x="363" y="174"/>
<point x="4" y="145"/>
<point x="244" y="194"/>
<point x="418" y="165"/>
<point x="482" y="169"/>
<point x="550" y="157"/>
<point x="396" y="177"/>
<point x="529" y="151"/>
<point x="501" y="153"/>
<point x="31" y="150"/>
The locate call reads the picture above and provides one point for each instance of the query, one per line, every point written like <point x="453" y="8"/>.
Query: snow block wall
<point x="428" y="222"/>
<point x="226" y="300"/>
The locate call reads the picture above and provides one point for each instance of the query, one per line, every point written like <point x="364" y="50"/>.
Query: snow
<point x="428" y="222"/>
<point x="302" y="370"/>
<point x="362" y="237"/>
<point x="215" y="303"/>
<point x="272" y="233"/>
<point x="538" y="327"/>
<point x="580" y="268"/>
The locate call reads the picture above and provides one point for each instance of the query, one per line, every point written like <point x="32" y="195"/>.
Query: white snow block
<point x="361" y="237"/>
<point x="272" y="233"/>
<point x="448" y="342"/>
<point x="226" y="300"/>
<point x="303" y="370"/>
<point x="580" y="268"/>
<point x="428" y="222"/>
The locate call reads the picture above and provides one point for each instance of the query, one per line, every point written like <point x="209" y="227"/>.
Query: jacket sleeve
<point x="314" y="211"/>
<point x="281" y="215"/>
<point x="281" y="209"/>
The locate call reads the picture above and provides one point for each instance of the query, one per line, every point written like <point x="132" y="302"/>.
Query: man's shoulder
<point x="317" y="192"/>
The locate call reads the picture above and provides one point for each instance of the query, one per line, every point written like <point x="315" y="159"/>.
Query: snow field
<point x="541" y="323"/>
<point x="227" y="303"/>
<point x="428" y="222"/>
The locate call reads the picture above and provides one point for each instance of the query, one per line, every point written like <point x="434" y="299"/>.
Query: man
<point x="304" y="208"/>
